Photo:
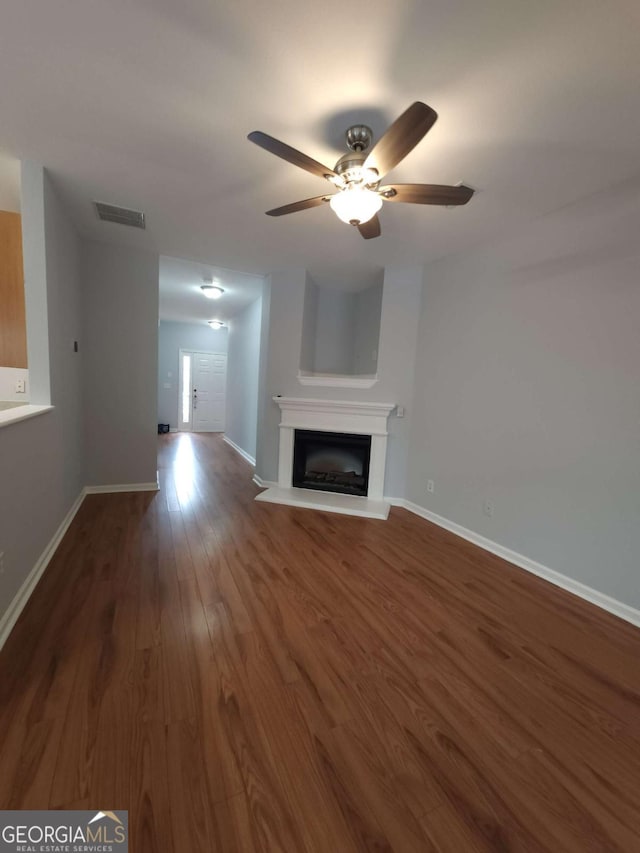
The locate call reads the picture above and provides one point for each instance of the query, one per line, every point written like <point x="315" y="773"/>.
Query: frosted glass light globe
<point x="355" y="205"/>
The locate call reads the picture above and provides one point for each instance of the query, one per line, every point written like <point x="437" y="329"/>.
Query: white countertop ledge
<point x="22" y="413"/>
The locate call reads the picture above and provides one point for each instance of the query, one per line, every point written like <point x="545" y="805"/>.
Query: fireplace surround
<point x="342" y="417"/>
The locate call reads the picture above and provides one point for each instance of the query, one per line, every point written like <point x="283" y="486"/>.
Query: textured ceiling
<point x="147" y="104"/>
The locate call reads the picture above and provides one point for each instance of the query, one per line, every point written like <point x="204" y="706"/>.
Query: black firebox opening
<point x="331" y="461"/>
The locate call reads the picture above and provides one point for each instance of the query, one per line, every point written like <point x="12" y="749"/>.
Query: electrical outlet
<point x="487" y="509"/>
<point x="20" y="386"/>
<point x="431" y="486"/>
<point x="400" y="411"/>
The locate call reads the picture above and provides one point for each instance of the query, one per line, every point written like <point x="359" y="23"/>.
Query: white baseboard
<point x="264" y="484"/>
<point x="10" y="616"/>
<point x="122" y="487"/>
<point x="239" y="450"/>
<point x="612" y="605"/>
<point x="396" y="501"/>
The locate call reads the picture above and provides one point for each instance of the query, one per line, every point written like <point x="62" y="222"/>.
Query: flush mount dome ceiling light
<point x="216" y="324"/>
<point x="357" y="174"/>
<point x="211" y="290"/>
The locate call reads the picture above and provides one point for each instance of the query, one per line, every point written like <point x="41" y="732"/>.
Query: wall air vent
<point x="111" y="213"/>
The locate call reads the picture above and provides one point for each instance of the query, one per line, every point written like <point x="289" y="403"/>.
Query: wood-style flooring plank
<point x="250" y="678"/>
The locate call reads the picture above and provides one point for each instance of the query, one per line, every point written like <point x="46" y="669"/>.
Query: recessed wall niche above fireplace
<point x="342" y="432"/>
<point x="331" y="462"/>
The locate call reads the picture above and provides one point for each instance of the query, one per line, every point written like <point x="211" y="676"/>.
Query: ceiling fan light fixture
<point x="216" y="324"/>
<point x="355" y="205"/>
<point x="211" y="291"/>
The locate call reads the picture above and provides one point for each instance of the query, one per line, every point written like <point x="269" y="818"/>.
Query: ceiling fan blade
<point x="298" y="205"/>
<point x="403" y="135"/>
<point x="291" y="155"/>
<point x="426" y="194"/>
<point x="370" y="229"/>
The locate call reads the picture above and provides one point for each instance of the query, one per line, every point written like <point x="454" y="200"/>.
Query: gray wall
<point x="120" y="345"/>
<point x="366" y="330"/>
<point x="340" y="329"/>
<point x="527" y="393"/>
<point x="172" y="337"/>
<point x="282" y="344"/>
<point x="280" y="347"/>
<point x="334" y="331"/>
<point x="309" y="326"/>
<point x="33" y="182"/>
<point x="242" y="377"/>
<point x="41" y="458"/>
<point x="265" y="428"/>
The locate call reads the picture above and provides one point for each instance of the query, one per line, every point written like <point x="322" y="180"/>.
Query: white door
<point x="202" y="391"/>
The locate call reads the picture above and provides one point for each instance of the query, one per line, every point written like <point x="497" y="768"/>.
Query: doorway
<point x="203" y="378"/>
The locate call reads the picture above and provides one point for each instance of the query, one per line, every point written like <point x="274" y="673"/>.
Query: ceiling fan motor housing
<point x="349" y="167"/>
<point x="359" y="137"/>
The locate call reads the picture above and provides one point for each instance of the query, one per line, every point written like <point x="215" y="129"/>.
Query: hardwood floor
<point x="249" y="677"/>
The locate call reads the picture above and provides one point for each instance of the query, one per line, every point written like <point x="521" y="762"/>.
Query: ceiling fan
<point x="357" y="174"/>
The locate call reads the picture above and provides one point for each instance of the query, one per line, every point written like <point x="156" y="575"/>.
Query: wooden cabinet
<point x="13" y="325"/>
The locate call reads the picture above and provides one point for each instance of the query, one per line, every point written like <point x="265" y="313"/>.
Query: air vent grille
<point x="121" y="215"/>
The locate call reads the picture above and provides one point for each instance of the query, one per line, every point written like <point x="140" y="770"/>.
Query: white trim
<point x="612" y="605"/>
<point x="12" y="613"/>
<point x="22" y="413"/>
<point x="207" y="351"/>
<point x="239" y="450"/>
<point x="396" y="501"/>
<point x="301" y="405"/>
<point x="337" y="380"/>
<point x="264" y="484"/>
<point x="326" y="501"/>
<point x="122" y="487"/>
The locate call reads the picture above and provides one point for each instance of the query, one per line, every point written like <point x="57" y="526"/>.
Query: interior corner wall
<point x="120" y="361"/>
<point x="527" y="393"/>
<point x="263" y="437"/>
<point x="243" y="368"/>
<point x="366" y="330"/>
<point x="172" y="337"/>
<point x="309" y="326"/>
<point x="34" y="253"/>
<point x="41" y="459"/>
<point x="334" y="332"/>
<point x="280" y="358"/>
<point x="280" y="347"/>
<point x="401" y="297"/>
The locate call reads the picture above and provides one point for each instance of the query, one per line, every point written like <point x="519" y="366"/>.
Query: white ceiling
<point x="147" y="103"/>
<point x="181" y="298"/>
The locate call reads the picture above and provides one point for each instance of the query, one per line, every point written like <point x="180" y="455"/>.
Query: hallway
<point x="249" y="677"/>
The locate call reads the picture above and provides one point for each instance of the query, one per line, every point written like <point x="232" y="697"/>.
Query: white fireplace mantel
<point x="359" y="418"/>
<point x="335" y="415"/>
